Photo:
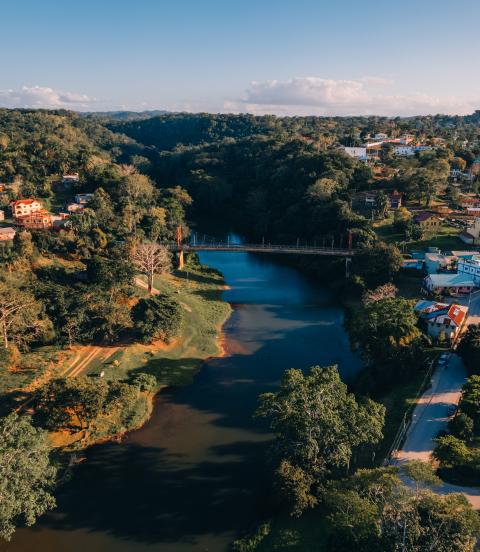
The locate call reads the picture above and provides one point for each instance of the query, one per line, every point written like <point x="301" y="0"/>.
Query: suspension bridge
<point x="212" y="244"/>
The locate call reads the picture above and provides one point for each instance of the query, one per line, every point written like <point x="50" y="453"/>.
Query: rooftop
<point x="425" y="215"/>
<point x="447" y="280"/>
<point x="7" y="230"/>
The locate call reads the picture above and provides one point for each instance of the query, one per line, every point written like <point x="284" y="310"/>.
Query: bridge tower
<point x="180" y="258"/>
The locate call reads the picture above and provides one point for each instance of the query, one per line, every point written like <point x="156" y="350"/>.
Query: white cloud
<point x="319" y="96"/>
<point x="44" y="97"/>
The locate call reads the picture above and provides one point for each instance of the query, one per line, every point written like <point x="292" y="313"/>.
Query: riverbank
<point x="199" y="292"/>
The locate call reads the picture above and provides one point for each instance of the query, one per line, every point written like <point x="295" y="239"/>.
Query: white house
<point x="404" y="151"/>
<point x="448" y="284"/>
<point x="435" y="262"/>
<point x="23" y="207"/>
<point x="472" y="234"/>
<point x="471" y="268"/>
<point x="443" y="321"/>
<point x="358" y="153"/>
<point x="83" y="198"/>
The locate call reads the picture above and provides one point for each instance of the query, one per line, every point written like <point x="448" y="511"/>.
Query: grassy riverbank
<point x="199" y="294"/>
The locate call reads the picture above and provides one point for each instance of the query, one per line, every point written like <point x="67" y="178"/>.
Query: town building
<point x="469" y="201"/>
<point x="68" y="180"/>
<point x="75" y="207"/>
<point x="7" y="234"/>
<point x="448" y="284"/>
<point x="37" y="220"/>
<point x="357" y="153"/>
<point x="370" y="199"/>
<point x="22" y="207"/>
<point x="436" y="262"/>
<point x="395" y="199"/>
<point x="427" y="221"/>
<point x="470" y="267"/>
<point x="404" y="151"/>
<point x="83" y="199"/>
<point x="407" y="138"/>
<point x="443" y="321"/>
<point x="472" y="234"/>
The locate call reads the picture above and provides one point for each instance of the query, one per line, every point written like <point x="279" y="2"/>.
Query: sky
<point x="286" y="57"/>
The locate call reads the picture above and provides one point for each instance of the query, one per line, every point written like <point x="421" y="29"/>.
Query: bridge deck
<point x="279" y="249"/>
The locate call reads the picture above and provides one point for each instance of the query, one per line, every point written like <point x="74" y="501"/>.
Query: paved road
<point x="430" y="417"/>
<point x="431" y="413"/>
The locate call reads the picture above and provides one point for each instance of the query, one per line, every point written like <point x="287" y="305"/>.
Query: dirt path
<point x="85" y="357"/>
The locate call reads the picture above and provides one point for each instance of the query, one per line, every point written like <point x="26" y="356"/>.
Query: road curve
<point x="430" y="417"/>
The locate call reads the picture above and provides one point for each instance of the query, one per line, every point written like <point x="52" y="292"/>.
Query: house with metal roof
<point x="449" y="284"/>
<point x="442" y="321"/>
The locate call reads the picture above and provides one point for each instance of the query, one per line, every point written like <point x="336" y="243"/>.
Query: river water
<point x="194" y="475"/>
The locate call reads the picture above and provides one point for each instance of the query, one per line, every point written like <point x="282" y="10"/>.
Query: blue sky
<point x="263" y="56"/>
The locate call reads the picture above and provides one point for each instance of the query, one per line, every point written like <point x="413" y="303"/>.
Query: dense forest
<point x="277" y="179"/>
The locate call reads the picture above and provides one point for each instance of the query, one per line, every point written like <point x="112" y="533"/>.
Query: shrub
<point x="144" y="382"/>
<point x="157" y="317"/>
<point x="462" y="427"/>
<point x="451" y="451"/>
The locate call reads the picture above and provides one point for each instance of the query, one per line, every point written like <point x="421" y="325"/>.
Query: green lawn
<point x="204" y="312"/>
<point x="445" y="239"/>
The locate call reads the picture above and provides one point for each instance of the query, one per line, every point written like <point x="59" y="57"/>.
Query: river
<point x="194" y="475"/>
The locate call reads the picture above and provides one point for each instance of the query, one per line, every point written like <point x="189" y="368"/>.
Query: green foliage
<point x="157" y="317"/>
<point x="110" y="273"/>
<point x="470" y="403"/>
<point x="37" y="144"/>
<point x="318" y="425"/>
<point x="421" y="473"/>
<point x="378" y="264"/>
<point x="84" y="312"/>
<point x="386" y="333"/>
<point x="80" y="403"/>
<point x="21" y="317"/>
<point x="450" y="451"/>
<point x="462" y="426"/>
<point x="469" y="348"/>
<point x="250" y="543"/>
<point x="70" y="403"/>
<point x="144" y="382"/>
<point x="27" y="474"/>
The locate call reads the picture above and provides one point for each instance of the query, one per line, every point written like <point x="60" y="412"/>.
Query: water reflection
<point x="194" y="475"/>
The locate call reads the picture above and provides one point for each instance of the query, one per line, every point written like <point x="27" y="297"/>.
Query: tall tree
<point x="20" y="314"/>
<point x="27" y="474"/>
<point x="151" y="258"/>
<point x="318" y="425"/>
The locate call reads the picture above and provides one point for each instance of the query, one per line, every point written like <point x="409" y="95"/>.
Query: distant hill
<point x="124" y="115"/>
<point x="169" y="130"/>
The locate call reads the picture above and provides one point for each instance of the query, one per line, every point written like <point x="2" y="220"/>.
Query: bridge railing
<point x="255" y="247"/>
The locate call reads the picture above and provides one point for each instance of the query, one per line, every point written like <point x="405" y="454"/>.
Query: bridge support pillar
<point x="348" y="260"/>
<point x="180" y="260"/>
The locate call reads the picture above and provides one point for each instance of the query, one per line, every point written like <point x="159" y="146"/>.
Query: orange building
<point x="37" y="220"/>
<point x="23" y="207"/>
